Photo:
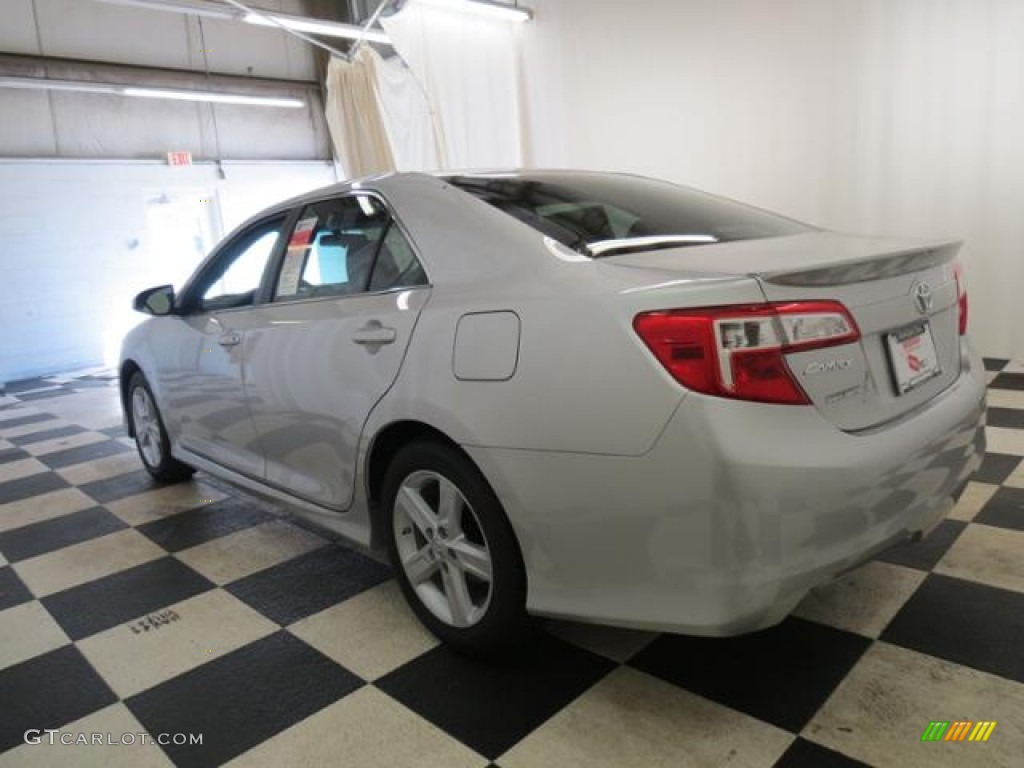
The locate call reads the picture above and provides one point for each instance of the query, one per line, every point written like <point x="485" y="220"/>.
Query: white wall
<point x="76" y="247"/>
<point x="863" y="115"/>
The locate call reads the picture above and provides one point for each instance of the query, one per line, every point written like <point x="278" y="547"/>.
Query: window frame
<point x="277" y="261"/>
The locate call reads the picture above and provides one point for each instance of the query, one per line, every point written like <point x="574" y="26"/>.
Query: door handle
<point x="374" y="334"/>
<point x="229" y="339"/>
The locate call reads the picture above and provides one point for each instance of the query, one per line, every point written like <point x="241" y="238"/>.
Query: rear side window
<point x="331" y="249"/>
<point x="396" y="265"/>
<point x="346" y="246"/>
<point x="605" y="214"/>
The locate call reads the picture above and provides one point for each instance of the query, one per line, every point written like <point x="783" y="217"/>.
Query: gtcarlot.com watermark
<point x="69" y="738"/>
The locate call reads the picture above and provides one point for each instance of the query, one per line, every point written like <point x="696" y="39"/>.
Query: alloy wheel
<point x="147" y="427"/>
<point x="442" y="548"/>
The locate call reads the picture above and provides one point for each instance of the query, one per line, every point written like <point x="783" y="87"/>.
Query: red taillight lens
<point x="961" y="295"/>
<point x="739" y="351"/>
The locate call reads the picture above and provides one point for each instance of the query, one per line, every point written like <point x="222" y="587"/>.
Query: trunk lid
<point x="901" y="293"/>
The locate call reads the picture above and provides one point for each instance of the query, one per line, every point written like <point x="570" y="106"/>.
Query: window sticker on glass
<point x="291" y="271"/>
<point x="303" y="233"/>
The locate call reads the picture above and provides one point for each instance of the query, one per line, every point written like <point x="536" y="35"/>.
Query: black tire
<point x="502" y="623"/>
<point x="166" y="469"/>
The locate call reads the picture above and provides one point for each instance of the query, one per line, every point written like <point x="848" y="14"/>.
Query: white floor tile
<point x="630" y="718"/>
<point x="26" y="631"/>
<point x="245" y="552"/>
<point x="209" y="625"/>
<point x="88" y="561"/>
<point x="368" y="729"/>
<point x="879" y="712"/>
<point x="864" y="600"/>
<point x="371" y="634"/>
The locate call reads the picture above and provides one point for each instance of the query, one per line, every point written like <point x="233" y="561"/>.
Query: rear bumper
<point x="738" y="510"/>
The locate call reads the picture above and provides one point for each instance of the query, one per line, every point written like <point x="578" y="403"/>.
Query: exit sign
<point x="179" y="158"/>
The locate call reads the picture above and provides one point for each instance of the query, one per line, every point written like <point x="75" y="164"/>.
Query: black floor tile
<point x="47" y="692"/>
<point x="995" y="468"/>
<point x="98" y="605"/>
<point x="26" y="385"/>
<point x="994" y="363"/>
<point x="965" y="622"/>
<point x="120" y="487"/>
<point x="1005" y="510"/>
<point x="491" y="705"/>
<point x="33" y="485"/>
<point x="13" y="454"/>
<point x="781" y="675"/>
<point x="243" y="698"/>
<point x="924" y="554"/>
<point x="12" y="589"/>
<point x="309" y="583"/>
<point x="83" y="453"/>
<point x="31" y="396"/>
<point x="49" y="535"/>
<point x="47" y="434"/>
<point x="1011" y="418"/>
<point x="807" y="754"/>
<point x="21" y="421"/>
<point x="1008" y="381"/>
<point x="203" y="524"/>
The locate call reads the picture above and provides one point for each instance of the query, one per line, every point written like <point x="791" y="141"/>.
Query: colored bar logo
<point x="958" y="730"/>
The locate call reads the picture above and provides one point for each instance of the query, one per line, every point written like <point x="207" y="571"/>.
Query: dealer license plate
<point x="912" y="353"/>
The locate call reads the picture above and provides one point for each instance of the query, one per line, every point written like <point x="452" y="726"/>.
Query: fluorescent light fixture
<point x="219" y="10"/>
<point x="38" y="83"/>
<point x="494" y="10"/>
<point x="208" y="8"/>
<point x="317" y="27"/>
<point x="213" y="96"/>
<point x="113" y="89"/>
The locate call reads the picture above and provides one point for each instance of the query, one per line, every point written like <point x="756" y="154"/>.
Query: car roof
<point x="381" y="182"/>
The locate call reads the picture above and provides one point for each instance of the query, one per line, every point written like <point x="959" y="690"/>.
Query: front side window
<point x="236" y="278"/>
<point x="346" y="246"/>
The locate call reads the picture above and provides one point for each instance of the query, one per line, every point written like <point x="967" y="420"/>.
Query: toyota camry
<point x="569" y="394"/>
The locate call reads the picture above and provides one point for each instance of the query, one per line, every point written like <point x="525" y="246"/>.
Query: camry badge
<point x="828" y="366"/>
<point x="923" y="298"/>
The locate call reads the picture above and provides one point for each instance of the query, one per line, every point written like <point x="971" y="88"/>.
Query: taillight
<point x="961" y="295"/>
<point x="739" y="351"/>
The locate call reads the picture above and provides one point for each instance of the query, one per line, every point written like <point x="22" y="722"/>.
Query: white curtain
<point x="467" y="66"/>
<point x="354" y="115"/>
<point x="415" y="136"/>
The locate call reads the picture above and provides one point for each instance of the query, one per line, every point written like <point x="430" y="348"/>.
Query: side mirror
<point x="155" y="301"/>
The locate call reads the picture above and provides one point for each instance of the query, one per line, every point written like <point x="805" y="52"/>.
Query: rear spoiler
<point x="869" y="268"/>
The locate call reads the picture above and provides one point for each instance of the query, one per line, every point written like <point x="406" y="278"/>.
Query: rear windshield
<point x="605" y="214"/>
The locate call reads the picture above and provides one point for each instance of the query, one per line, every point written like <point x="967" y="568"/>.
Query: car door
<point x="329" y="343"/>
<point x="200" y="371"/>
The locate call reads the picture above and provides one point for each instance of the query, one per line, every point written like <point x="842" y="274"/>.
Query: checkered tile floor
<point x="127" y="608"/>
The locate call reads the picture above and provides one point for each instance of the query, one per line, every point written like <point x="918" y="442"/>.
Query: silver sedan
<point x="567" y="394"/>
